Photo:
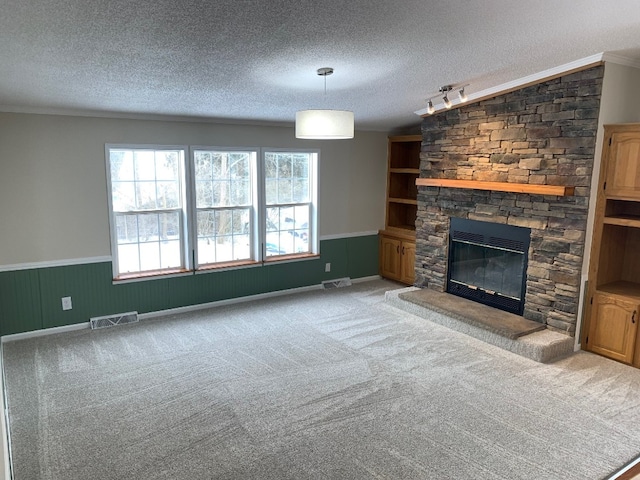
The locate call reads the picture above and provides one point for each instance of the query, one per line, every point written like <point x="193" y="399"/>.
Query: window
<point x="224" y="203"/>
<point x="288" y="202"/>
<point x="221" y="208"/>
<point x="147" y="209"/>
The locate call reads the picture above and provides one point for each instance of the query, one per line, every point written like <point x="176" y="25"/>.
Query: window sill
<point x="291" y="258"/>
<point x="151" y="275"/>
<point x="181" y="272"/>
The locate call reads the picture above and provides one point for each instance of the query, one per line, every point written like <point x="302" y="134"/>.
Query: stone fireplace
<point x="487" y="263"/>
<point x="543" y="134"/>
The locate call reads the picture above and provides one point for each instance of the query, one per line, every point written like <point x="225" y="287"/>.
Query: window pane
<point x="145" y="195"/>
<point x="203" y="165"/>
<point x="271" y="191"/>
<point x="128" y="258"/>
<point x="169" y="224"/>
<point x="123" y="196"/>
<point x="121" y="165"/>
<point x="145" y="165"/>
<point x="168" y="195"/>
<point x="127" y="229"/>
<point x="240" y="192"/>
<point x="223" y="235"/>
<point x="221" y="193"/>
<point x="204" y="194"/>
<point x="170" y="254"/>
<point x="284" y="190"/>
<point x="148" y="227"/>
<point x="287" y="230"/>
<point x="167" y="165"/>
<point x="149" y="256"/>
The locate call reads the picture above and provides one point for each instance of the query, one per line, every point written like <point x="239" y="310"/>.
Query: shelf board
<point x="622" y="288"/>
<point x="412" y="171"/>
<point x="406" y="201"/>
<point x="406" y="232"/>
<point x="623" y="220"/>
<point x="557" y="190"/>
<point x="632" y="196"/>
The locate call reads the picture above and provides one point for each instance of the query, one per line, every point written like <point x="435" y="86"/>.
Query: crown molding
<point x="621" y="60"/>
<point x="539" y="77"/>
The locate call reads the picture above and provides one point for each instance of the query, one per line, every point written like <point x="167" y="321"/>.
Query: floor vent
<point x="113" y="320"/>
<point x="337" y="283"/>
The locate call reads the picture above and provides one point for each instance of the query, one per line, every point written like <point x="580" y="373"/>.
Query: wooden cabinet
<point x="397" y="258"/>
<point x="614" y="270"/>
<point x="397" y="240"/>
<point x="623" y="178"/>
<point x="614" y="326"/>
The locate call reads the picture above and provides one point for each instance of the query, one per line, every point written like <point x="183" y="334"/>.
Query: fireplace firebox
<point x="488" y="263"/>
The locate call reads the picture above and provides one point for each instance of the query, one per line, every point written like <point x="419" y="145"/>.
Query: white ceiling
<point x="255" y="61"/>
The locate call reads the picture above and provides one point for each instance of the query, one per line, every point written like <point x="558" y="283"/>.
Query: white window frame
<point x="254" y="214"/>
<point x="184" y="233"/>
<point x="188" y="215"/>
<point x="314" y="187"/>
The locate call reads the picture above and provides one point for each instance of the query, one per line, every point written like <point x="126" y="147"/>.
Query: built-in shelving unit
<point x="397" y="240"/>
<point x="613" y="307"/>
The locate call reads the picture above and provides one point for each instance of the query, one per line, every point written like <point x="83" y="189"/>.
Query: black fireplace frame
<point x="489" y="235"/>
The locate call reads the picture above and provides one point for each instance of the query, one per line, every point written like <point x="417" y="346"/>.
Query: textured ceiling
<point x="255" y="61"/>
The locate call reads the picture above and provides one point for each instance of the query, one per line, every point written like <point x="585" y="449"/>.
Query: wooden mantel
<point x="557" y="190"/>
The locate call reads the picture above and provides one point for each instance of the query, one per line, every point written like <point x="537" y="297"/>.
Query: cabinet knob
<point x="633" y="317"/>
<point x="398" y="249"/>
<point x="403" y="250"/>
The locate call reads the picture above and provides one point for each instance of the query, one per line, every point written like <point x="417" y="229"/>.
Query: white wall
<point x="53" y="184"/>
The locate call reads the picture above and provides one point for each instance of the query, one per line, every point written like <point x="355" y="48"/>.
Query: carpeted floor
<point x="331" y="384"/>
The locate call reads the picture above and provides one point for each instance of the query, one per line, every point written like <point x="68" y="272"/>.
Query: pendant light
<point x="324" y="124"/>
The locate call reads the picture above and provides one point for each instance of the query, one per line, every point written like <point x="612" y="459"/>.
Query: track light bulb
<point x="462" y="95"/>
<point x="430" y="107"/>
<point x="447" y="102"/>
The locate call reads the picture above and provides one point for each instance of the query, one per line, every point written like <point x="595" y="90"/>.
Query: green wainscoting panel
<point x="362" y="256"/>
<point x="31" y="299"/>
<point x="20" y="302"/>
<point x="335" y="253"/>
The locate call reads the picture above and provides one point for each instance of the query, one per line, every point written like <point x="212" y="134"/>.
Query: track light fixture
<point x="445" y="91"/>
<point x="430" y="107"/>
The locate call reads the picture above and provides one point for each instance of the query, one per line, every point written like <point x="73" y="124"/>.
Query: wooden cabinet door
<point x="623" y="166"/>
<point x="407" y="261"/>
<point x="614" y="323"/>
<point x="390" y="257"/>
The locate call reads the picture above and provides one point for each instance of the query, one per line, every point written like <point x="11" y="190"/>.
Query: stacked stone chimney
<point x="544" y="134"/>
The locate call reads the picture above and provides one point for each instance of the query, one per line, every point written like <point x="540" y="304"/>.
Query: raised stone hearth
<point x="531" y="340"/>
<point x="543" y="134"/>
<point x="488" y="318"/>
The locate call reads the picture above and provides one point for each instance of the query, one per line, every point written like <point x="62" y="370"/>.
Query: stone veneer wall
<point x="541" y="134"/>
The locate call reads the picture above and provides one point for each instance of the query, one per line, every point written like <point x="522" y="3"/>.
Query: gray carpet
<point x="320" y="385"/>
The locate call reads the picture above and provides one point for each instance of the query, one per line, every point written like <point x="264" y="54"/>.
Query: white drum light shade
<point x="324" y="124"/>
